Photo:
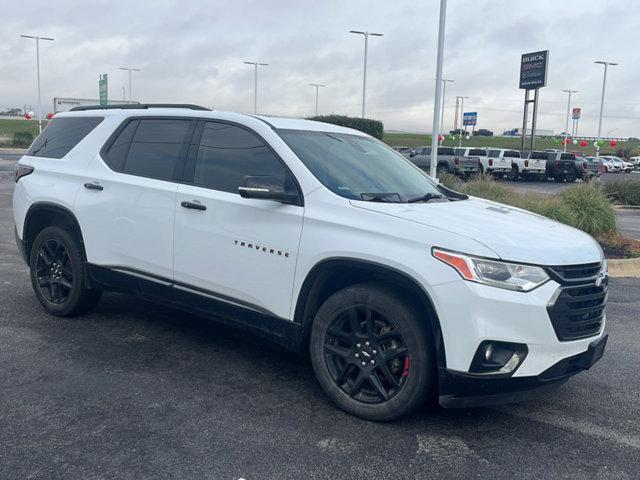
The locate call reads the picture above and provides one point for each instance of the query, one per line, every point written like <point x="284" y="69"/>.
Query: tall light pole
<point x="364" y="77"/>
<point x="438" y="92"/>
<point x="255" y="83"/>
<point x="461" y="119"/>
<point x="444" y="89"/>
<point x="604" y="84"/>
<point x="566" y="124"/>
<point x="317" y="85"/>
<point x="128" y="69"/>
<point x="37" y="39"/>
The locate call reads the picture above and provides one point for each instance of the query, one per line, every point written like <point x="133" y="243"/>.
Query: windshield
<point x="359" y="168"/>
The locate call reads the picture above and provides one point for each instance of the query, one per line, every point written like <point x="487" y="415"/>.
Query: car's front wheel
<point x="371" y="352"/>
<point x="57" y="274"/>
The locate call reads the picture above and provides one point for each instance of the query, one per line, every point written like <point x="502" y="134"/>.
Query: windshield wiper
<point x="425" y="198"/>
<point x="380" y="197"/>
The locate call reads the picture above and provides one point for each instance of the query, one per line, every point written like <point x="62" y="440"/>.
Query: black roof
<point x="140" y="106"/>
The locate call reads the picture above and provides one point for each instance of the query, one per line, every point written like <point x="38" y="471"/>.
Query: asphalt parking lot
<point x="138" y="391"/>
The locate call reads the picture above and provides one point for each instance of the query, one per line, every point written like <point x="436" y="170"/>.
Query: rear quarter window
<point x="478" y="152"/>
<point x="512" y="154"/>
<point x="61" y="135"/>
<point x="567" y="156"/>
<point x="445" y="151"/>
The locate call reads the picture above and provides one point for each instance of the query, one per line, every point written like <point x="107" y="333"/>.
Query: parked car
<point x="608" y="165"/>
<point x="402" y="149"/>
<point x="562" y="167"/>
<point x="535" y="164"/>
<point x="447" y="161"/>
<point x="459" y="131"/>
<point x="483" y="132"/>
<point x="476" y="154"/>
<point x="593" y="169"/>
<point x="521" y="167"/>
<point x="318" y="237"/>
<point x="636" y="162"/>
<point x="623" y="166"/>
<point x="495" y="164"/>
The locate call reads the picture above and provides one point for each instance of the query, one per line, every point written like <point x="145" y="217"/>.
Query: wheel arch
<point x="45" y="214"/>
<point x="333" y="274"/>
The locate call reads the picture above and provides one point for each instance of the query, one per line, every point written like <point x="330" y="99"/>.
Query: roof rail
<point x="139" y="106"/>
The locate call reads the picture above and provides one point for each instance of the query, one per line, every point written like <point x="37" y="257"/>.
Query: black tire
<point x="57" y="274"/>
<point x="570" y="178"/>
<point x="558" y="178"/>
<point x="442" y="168"/>
<point x="404" y="374"/>
<point x="514" y="174"/>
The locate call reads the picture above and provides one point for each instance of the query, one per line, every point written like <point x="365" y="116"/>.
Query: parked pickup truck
<point x="562" y="167"/>
<point x="536" y="160"/>
<point x="477" y="154"/>
<point x="495" y="164"/>
<point x="592" y="167"/>
<point x="447" y="161"/>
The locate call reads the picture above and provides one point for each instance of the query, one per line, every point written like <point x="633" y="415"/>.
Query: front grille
<point x="578" y="311"/>
<point x="572" y="273"/>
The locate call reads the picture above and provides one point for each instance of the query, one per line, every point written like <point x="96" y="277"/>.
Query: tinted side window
<point x="119" y="149"/>
<point x="227" y="154"/>
<point x="494" y="153"/>
<point x="156" y="148"/>
<point x="478" y="152"/>
<point x="460" y="151"/>
<point x="61" y="135"/>
<point x="445" y="151"/>
<point x="512" y="154"/>
<point x="567" y="156"/>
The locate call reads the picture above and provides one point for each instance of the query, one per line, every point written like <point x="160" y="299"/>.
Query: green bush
<point x="374" y="128"/>
<point x="592" y="210"/>
<point x="625" y="192"/>
<point x="489" y="189"/>
<point x="22" y="139"/>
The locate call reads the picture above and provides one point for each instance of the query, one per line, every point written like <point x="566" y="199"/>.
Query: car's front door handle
<point x="94" y="186"/>
<point x="193" y="205"/>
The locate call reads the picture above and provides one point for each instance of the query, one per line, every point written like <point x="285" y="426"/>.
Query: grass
<point x="415" y="140"/>
<point x="623" y="192"/>
<point x="10" y="127"/>
<point x="583" y="206"/>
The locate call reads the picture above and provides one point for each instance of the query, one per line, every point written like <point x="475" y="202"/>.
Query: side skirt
<point x="210" y="305"/>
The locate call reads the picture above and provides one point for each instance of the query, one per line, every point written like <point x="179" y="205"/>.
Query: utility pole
<point x="566" y="124"/>
<point x="37" y="39"/>
<point x="364" y="77"/>
<point x="317" y="85"/>
<point x="444" y="89"/>
<point x="128" y="69"/>
<point x="604" y="85"/>
<point x="437" y="97"/>
<point x="255" y="83"/>
<point x="461" y="120"/>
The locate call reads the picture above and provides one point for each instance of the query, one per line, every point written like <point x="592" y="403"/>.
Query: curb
<point x="628" y="267"/>
<point x="626" y="207"/>
<point x="15" y="151"/>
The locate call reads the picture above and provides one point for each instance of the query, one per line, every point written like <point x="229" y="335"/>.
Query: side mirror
<point x="267" y="187"/>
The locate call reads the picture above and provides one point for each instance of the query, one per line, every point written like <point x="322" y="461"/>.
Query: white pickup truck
<point x="522" y="166"/>
<point x="495" y="163"/>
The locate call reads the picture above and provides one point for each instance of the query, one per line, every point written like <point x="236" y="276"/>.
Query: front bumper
<point x="460" y="390"/>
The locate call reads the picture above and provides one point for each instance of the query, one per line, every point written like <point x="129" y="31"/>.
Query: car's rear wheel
<point x="57" y="274"/>
<point x="371" y="353"/>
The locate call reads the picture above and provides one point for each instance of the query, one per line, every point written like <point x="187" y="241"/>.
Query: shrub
<point x="592" y="210"/>
<point x="366" y="125"/>
<point x="450" y="181"/>
<point x="22" y="139"/>
<point x="489" y="189"/>
<point x="625" y="192"/>
<point x="551" y="207"/>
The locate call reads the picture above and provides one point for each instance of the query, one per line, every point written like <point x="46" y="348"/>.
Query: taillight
<point x="456" y="161"/>
<point x="20" y="171"/>
<point x="585" y="165"/>
<point x="557" y="164"/>
<point x="491" y="162"/>
<point x="526" y="163"/>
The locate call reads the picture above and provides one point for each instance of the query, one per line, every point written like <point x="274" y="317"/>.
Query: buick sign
<point x="533" y="70"/>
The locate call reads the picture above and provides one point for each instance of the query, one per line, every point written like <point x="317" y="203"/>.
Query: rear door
<point x="232" y="249"/>
<point x="127" y="206"/>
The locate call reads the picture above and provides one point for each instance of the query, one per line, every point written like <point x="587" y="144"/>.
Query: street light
<point x="317" y="85"/>
<point x="128" y="69"/>
<point x="255" y="91"/>
<point x="444" y="89"/>
<point x="461" y="119"/>
<point x="604" y="84"/>
<point x="566" y="125"/>
<point x="366" y="47"/>
<point x="437" y="99"/>
<point x="37" y="39"/>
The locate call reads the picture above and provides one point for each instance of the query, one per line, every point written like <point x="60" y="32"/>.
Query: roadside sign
<point x="103" y="89"/>
<point x="469" y="118"/>
<point x="533" y="70"/>
<point x="576" y="113"/>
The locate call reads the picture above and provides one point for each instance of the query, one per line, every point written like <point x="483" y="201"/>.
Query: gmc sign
<point x="533" y="70"/>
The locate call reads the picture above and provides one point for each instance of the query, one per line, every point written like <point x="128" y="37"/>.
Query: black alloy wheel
<point x="366" y="355"/>
<point x="53" y="270"/>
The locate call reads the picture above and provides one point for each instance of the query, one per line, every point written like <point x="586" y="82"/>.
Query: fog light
<point x="498" y="357"/>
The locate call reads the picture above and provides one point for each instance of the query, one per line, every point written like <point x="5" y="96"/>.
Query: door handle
<point x="193" y="205"/>
<point x="94" y="186"/>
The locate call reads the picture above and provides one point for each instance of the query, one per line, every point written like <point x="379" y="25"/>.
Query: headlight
<point x="512" y="276"/>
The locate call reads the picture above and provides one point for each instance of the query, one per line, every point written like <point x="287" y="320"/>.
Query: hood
<point x="513" y="234"/>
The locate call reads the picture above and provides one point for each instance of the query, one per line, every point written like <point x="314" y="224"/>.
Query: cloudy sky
<point x="193" y="51"/>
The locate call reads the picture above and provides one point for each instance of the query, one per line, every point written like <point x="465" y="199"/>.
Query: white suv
<point x="318" y="237"/>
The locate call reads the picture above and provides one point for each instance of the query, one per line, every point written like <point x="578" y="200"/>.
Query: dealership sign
<point x="533" y="70"/>
<point x="576" y="113"/>
<point x="469" y="118"/>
